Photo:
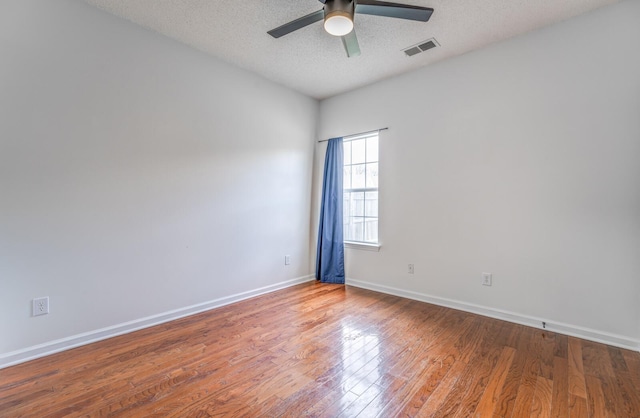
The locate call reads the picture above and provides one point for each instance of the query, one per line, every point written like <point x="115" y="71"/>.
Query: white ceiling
<point x="314" y="62"/>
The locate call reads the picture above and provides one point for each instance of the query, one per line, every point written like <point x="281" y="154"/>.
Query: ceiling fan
<point x="338" y="18"/>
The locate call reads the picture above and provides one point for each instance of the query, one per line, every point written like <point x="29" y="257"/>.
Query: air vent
<point x="421" y="47"/>
<point x="412" y="51"/>
<point x="427" y="45"/>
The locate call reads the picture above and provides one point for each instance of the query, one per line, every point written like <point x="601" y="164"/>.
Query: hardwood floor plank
<point x="632" y="360"/>
<point x="596" y="359"/>
<point x="577" y="407"/>
<point x="576" y="369"/>
<point x="617" y="359"/>
<point x="596" y="402"/>
<point x="438" y="369"/>
<point x="629" y="394"/>
<point x="509" y="393"/>
<point x="487" y="405"/>
<point x="344" y="399"/>
<point x="424" y="369"/>
<point x="361" y="402"/>
<point x="326" y="351"/>
<point x="526" y="389"/>
<point x="389" y="387"/>
<point x="541" y="404"/>
<point x="560" y="394"/>
<point x="489" y="353"/>
<point x="546" y="343"/>
<point x="561" y="346"/>
<point x="438" y="396"/>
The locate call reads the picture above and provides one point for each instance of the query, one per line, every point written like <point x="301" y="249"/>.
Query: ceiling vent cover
<point x="421" y="47"/>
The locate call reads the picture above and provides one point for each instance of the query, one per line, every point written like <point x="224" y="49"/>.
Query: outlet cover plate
<point x="487" y="279"/>
<point x="41" y="306"/>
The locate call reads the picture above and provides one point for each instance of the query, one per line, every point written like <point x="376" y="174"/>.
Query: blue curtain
<point x="330" y="253"/>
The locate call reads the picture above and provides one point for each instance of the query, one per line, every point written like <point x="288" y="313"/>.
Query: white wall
<point x="523" y="160"/>
<point x="138" y="176"/>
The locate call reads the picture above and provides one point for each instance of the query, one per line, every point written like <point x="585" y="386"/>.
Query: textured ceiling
<point x="314" y="62"/>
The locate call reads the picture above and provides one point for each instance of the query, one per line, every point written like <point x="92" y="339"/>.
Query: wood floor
<point x="327" y="350"/>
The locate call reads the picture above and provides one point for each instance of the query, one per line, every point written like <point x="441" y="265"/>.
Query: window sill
<point x="362" y="246"/>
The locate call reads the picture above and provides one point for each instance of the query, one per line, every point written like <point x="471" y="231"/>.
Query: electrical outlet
<point x="41" y="306"/>
<point x="487" y="279"/>
<point x="287" y="260"/>
<point x="411" y="269"/>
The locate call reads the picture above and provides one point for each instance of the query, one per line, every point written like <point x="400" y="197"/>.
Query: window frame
<point x="364" y="245"/>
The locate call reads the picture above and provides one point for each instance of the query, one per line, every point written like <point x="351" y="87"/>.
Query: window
<point x="360" y="183"/>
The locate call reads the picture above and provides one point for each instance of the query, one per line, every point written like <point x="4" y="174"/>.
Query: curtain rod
<point x="361" y="133"/>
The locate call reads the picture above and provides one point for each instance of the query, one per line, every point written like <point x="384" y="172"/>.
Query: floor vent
<point x="421" y="47"/>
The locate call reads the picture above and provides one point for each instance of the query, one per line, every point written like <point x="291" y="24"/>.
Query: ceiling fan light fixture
<point x="338" y="23"/>
<point x="338" y="16"/>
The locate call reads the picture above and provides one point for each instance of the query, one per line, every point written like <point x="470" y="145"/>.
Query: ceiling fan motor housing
<point x="344" y="8"/>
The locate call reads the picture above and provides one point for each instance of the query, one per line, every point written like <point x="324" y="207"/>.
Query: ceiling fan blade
<point x="297" y="24"/>
<point x="401" y="11"/>
<point x="350" y="42"/>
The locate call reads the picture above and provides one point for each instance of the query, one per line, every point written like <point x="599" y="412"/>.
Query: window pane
<point x="371" y="230"/>
<point x="356" y="204"/>
<point x="346" y="178"/>
<point x="371" y="204"/>
<point x="347" y="152"/>
<point x="357" y="176"/>
<point x="358" y="151"/>
<point x="353" y="230"/>
<point x="356" y="231"/>
<point x="372" y="149"/>
<point x="346" y="207"/>
<point x="372" y="175"/>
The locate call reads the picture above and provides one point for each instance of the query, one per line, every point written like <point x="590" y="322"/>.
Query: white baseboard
<point x="559" y="327"/>
<point x="41" y="350"/>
